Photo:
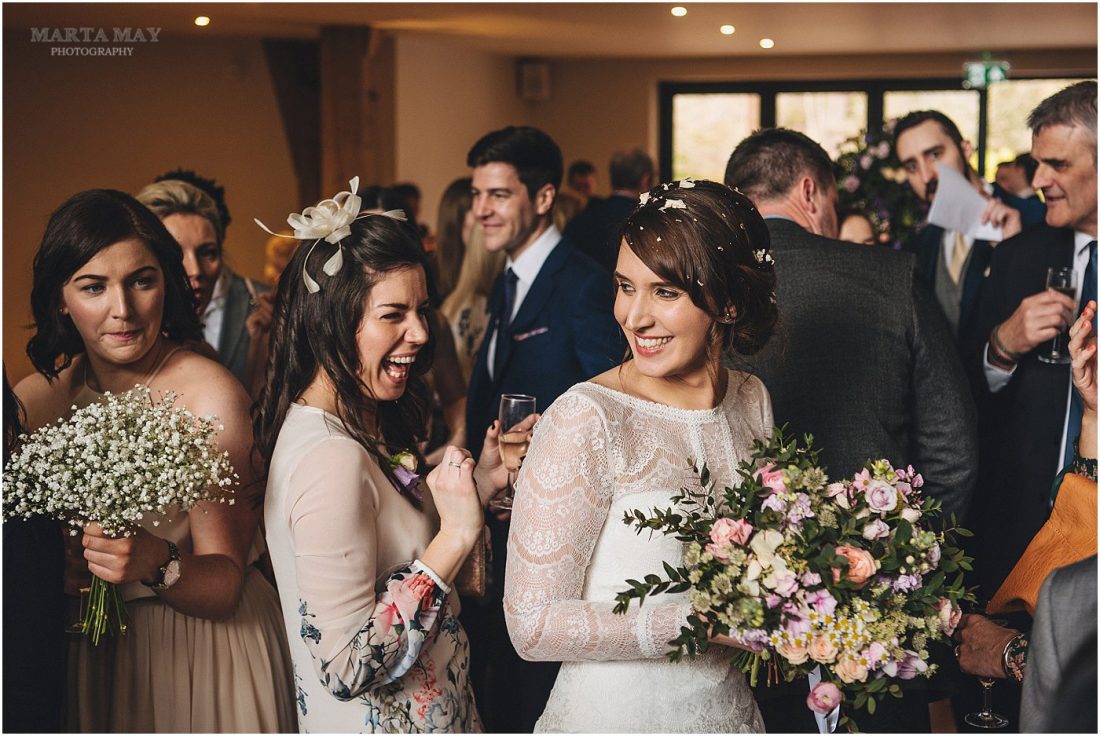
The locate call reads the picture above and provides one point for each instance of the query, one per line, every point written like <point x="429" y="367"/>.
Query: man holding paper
<point x="965" y="220"/>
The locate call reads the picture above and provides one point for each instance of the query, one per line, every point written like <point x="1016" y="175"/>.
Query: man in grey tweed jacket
<point x="862" y="358"/>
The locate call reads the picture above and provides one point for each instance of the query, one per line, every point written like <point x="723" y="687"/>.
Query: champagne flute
<point x="986" y="717"/>
<point x="513" y="441"/>
<point x="1062" y="279"/>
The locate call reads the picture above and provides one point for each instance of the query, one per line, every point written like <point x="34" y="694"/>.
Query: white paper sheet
<point x="957" y="207"/>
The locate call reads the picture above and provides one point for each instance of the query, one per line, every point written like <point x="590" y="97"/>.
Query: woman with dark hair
<point x="364" y="553"/>
<point x="695" y="283"/>
<point x="204" y="650"/>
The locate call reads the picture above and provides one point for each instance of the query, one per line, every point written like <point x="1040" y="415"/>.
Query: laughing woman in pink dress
<point x="364" y="553"/>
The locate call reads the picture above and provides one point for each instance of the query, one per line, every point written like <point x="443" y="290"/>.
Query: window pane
<point x="705" y="130"/>
<point x="1010" y="103"/>
<point x="830" y="118"/>
<point x="959" y="105"/>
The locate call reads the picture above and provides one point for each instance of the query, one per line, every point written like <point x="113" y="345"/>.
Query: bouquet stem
<point x="106" y="612"/>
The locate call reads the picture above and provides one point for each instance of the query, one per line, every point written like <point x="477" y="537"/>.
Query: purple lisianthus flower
<point x="904" y="488"/>
<point x="911" y="666"/>
<point x="835" y="489"/>
<point x="800" y="509"/>
<point x="822" y="601"/>
<point x="409" y="482"/>
<point x="772" y="600"/>
<point x="851" y="184"/>
<point x="882" y="150"/>
<point x="875" y="654"/>
<point x="795" y="621"/>
<point x="757" y="639"/>
<point x="786" y="586"/>
<point x="810" y="578"/>
<point x="865" y="161"/>
<point x="907" y="582"/>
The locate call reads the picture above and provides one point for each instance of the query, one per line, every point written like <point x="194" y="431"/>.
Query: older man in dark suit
<point x="551" y="325"/>
<point x="865" y="361"/>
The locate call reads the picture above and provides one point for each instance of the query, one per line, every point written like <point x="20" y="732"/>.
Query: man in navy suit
<point x="551" y="325"/>
<point x="953" y="264"/>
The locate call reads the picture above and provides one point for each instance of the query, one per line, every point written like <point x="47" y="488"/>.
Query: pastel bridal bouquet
<point x="854" y="576"/>
<point x="112" y="462"/>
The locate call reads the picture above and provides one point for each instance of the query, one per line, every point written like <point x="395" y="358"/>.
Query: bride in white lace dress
<point x="625" y="441"/>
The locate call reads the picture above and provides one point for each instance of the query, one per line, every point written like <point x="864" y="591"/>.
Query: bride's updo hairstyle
<point x="710" y="241"/>
<point x="316" y="331"/>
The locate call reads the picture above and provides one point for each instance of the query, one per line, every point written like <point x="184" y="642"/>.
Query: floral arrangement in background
<point x="113" y="462"/>
<point x="851" y="576"/>
<point x="871" y="180"/>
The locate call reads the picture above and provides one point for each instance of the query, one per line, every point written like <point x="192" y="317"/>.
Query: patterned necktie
<point x="504" y="320"/>
<point x="958" y="257"/>
<point x="1076" y="406"/>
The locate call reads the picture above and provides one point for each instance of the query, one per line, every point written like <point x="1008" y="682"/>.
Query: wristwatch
<point x="169" y="571"/>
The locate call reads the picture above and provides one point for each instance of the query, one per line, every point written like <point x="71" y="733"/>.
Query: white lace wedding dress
<point x="596" y="454"/>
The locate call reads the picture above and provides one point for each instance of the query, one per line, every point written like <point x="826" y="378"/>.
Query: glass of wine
<point x="1062" y="279"/>
<point x="514" y="440"/>
<point x="986" y="717"/>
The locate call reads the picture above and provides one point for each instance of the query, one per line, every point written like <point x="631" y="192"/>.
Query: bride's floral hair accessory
<point x="329" y="220"/>
<point x="710" y="241"/>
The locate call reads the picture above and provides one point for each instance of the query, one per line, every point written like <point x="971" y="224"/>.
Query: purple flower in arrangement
<point x="904" y="488"/>
<point x="865" y="161"/>
<point x="772" y="600"/>
<point x="882" y="150"/>
<point x="795" y="622"/>
<point x="810" y="578"/>
<point x="403" y="465"/>
<point x="755" y="638"/>
<point x="786" y="586"/>
<point x="822" y="601"/>
<point x="850" y="184"/>
<point x="882" y="497"/>
<point x="835" y="489"/>
<point x="911" y="666"/>
<point x="775" y="502"/>
<point x="907" y="582"/>
<point x="876" y="529"/>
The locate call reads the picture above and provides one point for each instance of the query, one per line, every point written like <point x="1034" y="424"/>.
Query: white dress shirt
<point x="526" y="268"/>
<point x="998" y="378"/>
<point x="215" y="310"/>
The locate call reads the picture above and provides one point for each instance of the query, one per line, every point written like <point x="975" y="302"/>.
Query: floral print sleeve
<point x="360" y="640"/>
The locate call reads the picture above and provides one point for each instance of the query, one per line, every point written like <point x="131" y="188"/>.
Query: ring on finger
<point x="453" y="464"/>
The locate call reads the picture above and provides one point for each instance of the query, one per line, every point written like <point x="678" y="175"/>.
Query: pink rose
<point x="822" y="649"/>
<point x="725" y="531"/>
<point x="861" y="565"/>
<point x="877" y="529"/>
<point x="882" y="497"/>
<point x="793" y="652"/>
<point x="824" y="698"/>
<point x="772" y="478"/>
<point x="849" y="670"/>
<point x="720" y="552"/>
<point x="950" y="615"/>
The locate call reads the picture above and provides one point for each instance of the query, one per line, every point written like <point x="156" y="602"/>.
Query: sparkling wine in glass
<point x="515" y="437"/>
<point x="1062" y="279"/>
<point x="986" y="718"/>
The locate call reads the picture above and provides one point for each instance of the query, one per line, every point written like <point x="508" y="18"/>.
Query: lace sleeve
<point x="562" y="499"/>
<point x="358" y="640"/>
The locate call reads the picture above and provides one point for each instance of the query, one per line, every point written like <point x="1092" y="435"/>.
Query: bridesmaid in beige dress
<point x="204" y="650"/>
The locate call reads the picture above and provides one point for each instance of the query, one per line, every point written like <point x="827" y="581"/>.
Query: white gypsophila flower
<point x="117" y="460"/>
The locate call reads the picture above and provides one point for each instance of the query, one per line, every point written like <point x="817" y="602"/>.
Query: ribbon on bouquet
<point x="825" y="723"/>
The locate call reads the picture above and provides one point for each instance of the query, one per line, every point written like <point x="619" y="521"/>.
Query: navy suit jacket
<point x="926" y="245"/>
<point x="595" y="231"/>
<point x="564" y="333"/>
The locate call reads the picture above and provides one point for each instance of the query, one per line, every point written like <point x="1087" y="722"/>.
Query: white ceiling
<point x="633" y="29"/>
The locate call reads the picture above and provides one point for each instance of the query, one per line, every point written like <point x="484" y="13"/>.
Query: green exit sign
<point x="980" y="74"/>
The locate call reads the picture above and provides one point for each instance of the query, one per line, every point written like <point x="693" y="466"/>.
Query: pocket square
<point x="525" y="335"/>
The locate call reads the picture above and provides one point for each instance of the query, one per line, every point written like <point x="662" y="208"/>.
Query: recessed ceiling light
<point x="727" y="30"/>
<point x="766" y="43"/>
<point x="679" y="11"/>
<point x="202" y="21"/>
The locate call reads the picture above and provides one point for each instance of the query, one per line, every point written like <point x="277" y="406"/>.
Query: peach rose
<point x="861" y="565"/>
<point x="849" y="670"/>
<point x="794" y="652"/>
<point x="822" y="649"/>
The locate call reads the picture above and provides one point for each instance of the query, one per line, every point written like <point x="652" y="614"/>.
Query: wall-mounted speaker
<point x="533" y="80"/>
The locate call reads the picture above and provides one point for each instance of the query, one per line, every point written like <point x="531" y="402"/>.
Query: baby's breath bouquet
<point x="849" y="576"/>
<point x="112" y="462"/>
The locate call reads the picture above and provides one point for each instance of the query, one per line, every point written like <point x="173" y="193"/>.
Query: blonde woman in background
<point x="235" y="311"/>
<point x="466" y="306"/>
